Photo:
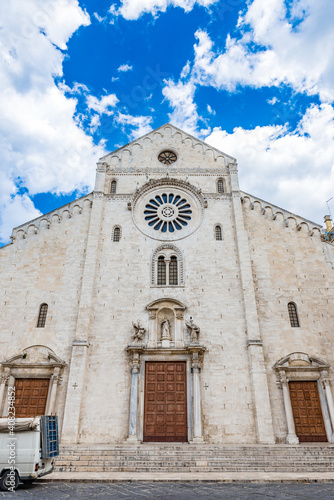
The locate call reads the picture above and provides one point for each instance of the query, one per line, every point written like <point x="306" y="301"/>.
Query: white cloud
<point x="185" y="70"/>
<point x="296" y="169"/>
<point x="181" y="97"/>
<point x="102" y="105"/>
<point x="99" y="18"/>
<point x="124" y="67"/>
<point x="133" y="9"/>
<point x="42" y="146"/>
<point x="210" y="110"/>
<point x="272" y="101"/>
<point x="141" y="124"/>
<point x="270" y="49"/>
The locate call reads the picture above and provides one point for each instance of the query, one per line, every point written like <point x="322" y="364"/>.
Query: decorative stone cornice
<point x="258" y="342"/>
<point x="47" y="221"/>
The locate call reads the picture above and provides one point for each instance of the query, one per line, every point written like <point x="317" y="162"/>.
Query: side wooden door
<point x="165" y="412"/>
<point x="30" y="396"/>
<point x="307" y="411"/>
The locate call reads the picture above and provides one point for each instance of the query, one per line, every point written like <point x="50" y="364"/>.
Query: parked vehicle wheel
<point x="9" y="480"/>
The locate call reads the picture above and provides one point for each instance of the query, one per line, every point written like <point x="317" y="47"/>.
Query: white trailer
<point x="28" y="447"/>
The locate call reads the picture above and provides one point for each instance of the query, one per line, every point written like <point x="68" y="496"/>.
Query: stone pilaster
<point x="329" y="397"/>
<point x="70" y="432"/>
<point x="262" y="410"/>
<point x="3" y="382"/>
<point x="53" y="392"/>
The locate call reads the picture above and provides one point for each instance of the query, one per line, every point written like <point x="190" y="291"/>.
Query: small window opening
<point x="220" y="186"/>
<point x="294" y="321"/>
<point x="117" y="234"/>
<point x="113" y="187"/>
<point x="218" y="233"/>
<point x="173" y="271"/>
<point x="43" y="310"/>
<point x="161" y="271"/>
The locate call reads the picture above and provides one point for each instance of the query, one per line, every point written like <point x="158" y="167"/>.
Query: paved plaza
<point x="174" y="491"/>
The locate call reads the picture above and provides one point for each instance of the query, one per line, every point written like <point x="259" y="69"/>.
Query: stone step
<point x="190" y="458"/>
<point x="326" y="463"/>
<point x="195" y="469"/>
<point x="278" y="452"/>
<point x="162" y="459"/>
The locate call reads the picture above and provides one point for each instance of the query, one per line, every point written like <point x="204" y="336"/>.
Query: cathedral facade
<point x="169" y="306"/>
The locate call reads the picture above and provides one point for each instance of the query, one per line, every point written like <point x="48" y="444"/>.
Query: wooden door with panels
<point x="165" y="409"/>
<point x="307" y="411"/>
<point x="31" y="396"/>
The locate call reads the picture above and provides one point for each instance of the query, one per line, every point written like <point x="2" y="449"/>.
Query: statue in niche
<point x="165" y="329"/>
<point x="138" y="332"/>
<point x="193" y="331"/>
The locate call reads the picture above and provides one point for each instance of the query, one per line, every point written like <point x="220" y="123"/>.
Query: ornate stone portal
<point x="37" y="361"/>
<point x="298" y="367"/>
<point x="166" y="342"/>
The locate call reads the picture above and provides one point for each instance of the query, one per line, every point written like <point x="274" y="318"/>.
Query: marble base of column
<point x="133" y="440"/>
<point x="196" y="440"/>
<point x="292" y="439"/>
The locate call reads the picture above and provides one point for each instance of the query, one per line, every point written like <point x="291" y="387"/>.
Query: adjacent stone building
<point x="168" y="305"/>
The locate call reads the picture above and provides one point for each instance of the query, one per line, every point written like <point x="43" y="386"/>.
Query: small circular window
<point x="168" y="212"/>
<point x="167" y="157"/>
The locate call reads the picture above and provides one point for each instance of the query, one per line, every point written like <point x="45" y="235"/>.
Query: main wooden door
<point x="307" y="412"/>
<point x="30" y="396"/>
<point x="165" y="413"/>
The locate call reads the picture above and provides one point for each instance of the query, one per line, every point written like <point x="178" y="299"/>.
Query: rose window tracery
<point x="167" y="157"/>
<point x="168" y="212"/>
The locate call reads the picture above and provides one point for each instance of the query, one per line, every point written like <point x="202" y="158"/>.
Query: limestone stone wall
<point x="236" y="290"/>
<point x="290" y="263"/>
<point x="212" y="295"/>
<point x="44" y="265"/>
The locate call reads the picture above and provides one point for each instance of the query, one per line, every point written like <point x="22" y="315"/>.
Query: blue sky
<point x="81" y="78"/>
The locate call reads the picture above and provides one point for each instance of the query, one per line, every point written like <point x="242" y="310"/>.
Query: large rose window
<point x="168" y="212"/>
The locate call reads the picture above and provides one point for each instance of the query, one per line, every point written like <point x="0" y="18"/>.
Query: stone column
<point x="51" y="409"/>
<point x="3" y="381"/>
<point x="260" y="391"/>
<point x="167" y="261"/>
<point x="134" y="399"/>
<point x="197" y="411"/>
<point x="291" y="437"/>
<point x="329" y="398"/>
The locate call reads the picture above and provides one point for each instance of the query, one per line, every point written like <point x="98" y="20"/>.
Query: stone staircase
<point x="185" y="457"/>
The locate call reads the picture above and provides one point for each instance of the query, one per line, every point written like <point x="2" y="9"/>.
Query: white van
<point x="28" y="447"/>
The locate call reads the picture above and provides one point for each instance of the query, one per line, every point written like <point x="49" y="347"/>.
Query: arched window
<point x="116" y="233"/>
<point x="220" y="186"/>
<point x="173" y="271"/>
<point x="161" y="271"/>
<point x="43" y="311"/>
<point x="167" y="266"/>
<point x="292" y="308"/>
<point x="113" y="187"/>
<point x="218" y="233"/>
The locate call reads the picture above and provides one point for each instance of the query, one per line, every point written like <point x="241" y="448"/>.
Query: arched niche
<point x="166" y="323"/>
